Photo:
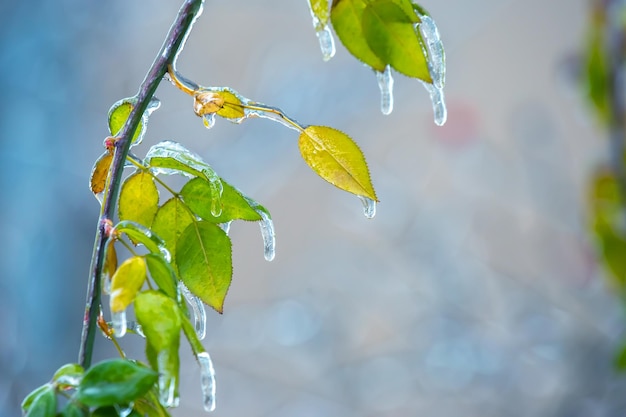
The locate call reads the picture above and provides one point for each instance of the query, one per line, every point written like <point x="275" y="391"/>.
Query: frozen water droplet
<point x="100" y="197"/>
<point x="133" y="326"/>
<point x="153" y="105"/>
<point x="124" y="411"/>
<point x="118" y="322"/>
<point x="385" y="83"/>
<point x="225" y="226"/>
<point x="434" y="47"/>
<point x="207" y="380"/>
<point x="327" y="42"/>
<point x="208" y="120"/>
<point x="369" y="206"/>
<point x="438" y="102"/>
<point x="199" y="313"/>
<point x="167" y="383"/>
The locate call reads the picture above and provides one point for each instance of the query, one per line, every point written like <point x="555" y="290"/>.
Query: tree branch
<point x="187" y="14"/>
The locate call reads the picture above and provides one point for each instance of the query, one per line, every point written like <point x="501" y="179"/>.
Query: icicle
<point x="133" y="326"/>
<point x="438" y="101"/>
<point x="327" y="42"/>
<point x="225" y="226"/>
<point x="269" y="238"/>
<point x="118" y="321"/>
<point x="167" y="383"/>
<point x="436" y="54"/>
<point x="208" y="120"/>
<point x="369" y="206"/>
<point x="207" y="380"/>
<point x="385" y="83"/>
<point x="199" y="313"/>
<point x="324" y="36"/>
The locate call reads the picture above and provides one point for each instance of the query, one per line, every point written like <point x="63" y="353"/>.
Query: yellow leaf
<point x="139" y="199"/>
<point x="100" y="172"/>
<point x="232" y="106"/>
<point x="337" y="159"/>
<point x="126" y="283"/>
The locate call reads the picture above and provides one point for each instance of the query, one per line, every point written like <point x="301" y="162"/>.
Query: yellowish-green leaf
<point x="163" y="274"/>
<point x="139" y="199"/>
<point x="204" y="259"/>
<point x="232" y="107"/>
<point x="99" y="173"/>
<point x="126" y="282"/>
<point x="320" y="10"/>
<point x="346" y="17"/>
<point x="118" y="114"/>
<point x="171" y="219"/>
<point x="337" y="159"/>
<point x="390" y="33"/>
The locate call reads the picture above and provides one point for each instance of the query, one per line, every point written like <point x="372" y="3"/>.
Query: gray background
<point x="473" y="292"/>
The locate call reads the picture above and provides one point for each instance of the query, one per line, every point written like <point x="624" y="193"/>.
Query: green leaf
<point x="337" y="159"/>
<point x="139" y="199"/>
<point x="391" y="35"/>
<point x="197" y="195"/>
<point x="140" y="233"/>
<point x="118" y="114"/>
<point x="170" y="157"/>
<point x="171" y="219"/>
<point x="99" y="173"/>
<point x="72" y="409"/>
<point x="150" y="406"/>
<point x="320" y="10"/>
<point x="26" y="403"/>
<point x="163" y="274"/>
<point x="69" y="375"/>
<point x="126" y="282"/>
<point x="620" y="359"/>
<point x="115" y="381"/>
<point x="597" y="68"/>
<point x="346" y="17"/>
<point x="44" y="404"/>
<point x="163" y="336"/>
<point x="204" y="259"/>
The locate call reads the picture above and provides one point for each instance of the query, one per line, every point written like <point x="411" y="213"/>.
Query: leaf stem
<point x="174" y="40"/>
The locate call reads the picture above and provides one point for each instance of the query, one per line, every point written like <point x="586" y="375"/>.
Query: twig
<point x="187" y="14"/>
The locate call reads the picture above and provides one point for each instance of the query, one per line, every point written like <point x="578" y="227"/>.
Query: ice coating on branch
<point x="199" y="313"/>
<point x="118" y="322"/>
<point x="166" y="50"/>
<point x="438" y="101"/>
<point x="207" y="381"/>
<point x="177" y="152"/>
<point x="324" y="36"/>
<point x="436" y="59"/>
<point x="369" y="206"/>
<point x="385" y="83"/>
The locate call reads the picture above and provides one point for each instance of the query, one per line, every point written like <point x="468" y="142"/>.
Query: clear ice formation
<point x="433" y="48"/>
<point x="175" y="151"/>
<point x="199" y="313"/>
<point x="133" y="326"/>
<point x="369" y="206"/>
<point x="225" y="226"/>
<point x="118" y="322"/>
<point x="167" y="383"/>
<point x="324" y="36"/>
<point x="267" y="230"/>
<point x="385" y="83"/>
<point x="152" y="242"/>
<point x="124" y="411"/>
<point x="207" y="380"/>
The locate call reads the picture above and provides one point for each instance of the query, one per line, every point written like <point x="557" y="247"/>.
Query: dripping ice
<point x="118" y="322"/>
<point x="369" y="206"/>
<point x="385" y="83"/>
<point x="199" y="313"/>
<point x="324" y="36"/>
<point x="207" y="380"/>
<point x="167" y="383"/>
<point x="436" y="67"/>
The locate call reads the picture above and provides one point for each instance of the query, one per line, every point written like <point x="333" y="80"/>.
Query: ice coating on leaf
<point x="194" y="163"/>
<point x="199" y="313"/>
<point x="225" y="226"/>
<point x="207" y="380"/>
<point x="167" y="383"/>
<point x="434" y="47"/>
<point x="133" y="326"/>
<point x="118" y="322"/>
<point x="369" y="206"/>
<point x="438" y="102"/>
<point x="385" y="83"/>
<point x="208" y="120"/>
<point x="144" y="236"/>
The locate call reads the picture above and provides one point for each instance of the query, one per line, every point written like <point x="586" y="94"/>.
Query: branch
<point x="187" y="14"/>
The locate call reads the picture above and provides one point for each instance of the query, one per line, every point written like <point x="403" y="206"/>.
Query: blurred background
<point x="474" y="291"/>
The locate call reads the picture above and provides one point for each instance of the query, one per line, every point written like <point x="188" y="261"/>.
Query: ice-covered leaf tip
<point x="337" y="159"/>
